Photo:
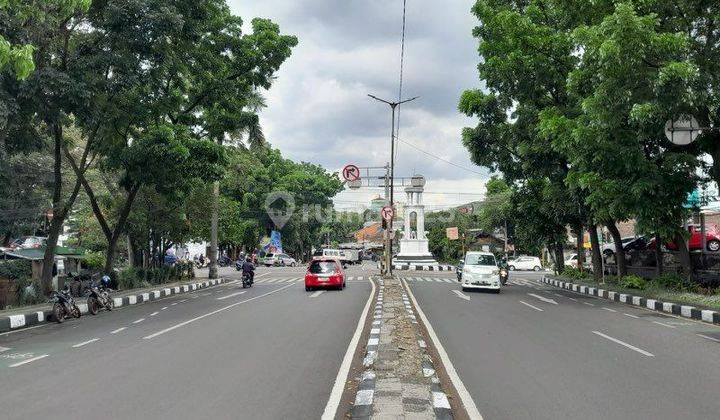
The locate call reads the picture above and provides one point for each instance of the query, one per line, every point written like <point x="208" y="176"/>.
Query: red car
<point x="324" y="272"/>
<point x="712" y="239"/>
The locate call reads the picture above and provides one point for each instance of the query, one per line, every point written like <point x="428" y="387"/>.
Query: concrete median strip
<point x="399" y="380"/>
<point x="34" y="318"/>
<point x="685" y="311"/>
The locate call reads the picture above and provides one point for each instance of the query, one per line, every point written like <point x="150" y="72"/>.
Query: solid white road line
<point x="632" y="316"/>
<point x="461" y="295"/>
<point x="339" y="385"/>
<point x="622" y="343"/>
<point x="231" y="295"/>
<point x="139" y="321"/>
<point x="609" y="310"/>
<point x="26" y="329"/>
<point x="531" y="306"/>
<point x="663" y="324"/>
<point x="316" y="294"/>
<point x="85" y="342"/>
<point x="182" y="324"/>
<point x="544" y="299"/>
<point x="463" y="393"/>
<point x="118" y="330"/>
<point x="709" y="338"/>
<point x="32" y="359"/>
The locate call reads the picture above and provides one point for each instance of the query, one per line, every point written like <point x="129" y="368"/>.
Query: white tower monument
<point x="414" y="244"/>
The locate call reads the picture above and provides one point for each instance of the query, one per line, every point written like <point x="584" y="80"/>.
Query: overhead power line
<point x="402" y="63"/>
<point x="441" y="159"/>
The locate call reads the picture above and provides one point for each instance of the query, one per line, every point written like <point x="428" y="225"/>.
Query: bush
<point x="95" y="260"/>
<point x="573" y="273"/>
<point x="131" y="278"/>
<point x="674" y="282"/>
<point x="16" y="269"/>
<point x="633" y="281"/>
<point x="29" y="292"/>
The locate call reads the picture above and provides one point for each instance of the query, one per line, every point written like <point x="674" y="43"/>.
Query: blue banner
<point x="275" y="244"/>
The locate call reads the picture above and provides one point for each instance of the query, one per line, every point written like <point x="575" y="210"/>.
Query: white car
<point x="609" y="248"/>
<point x="525" y="263"/>
<point x="480" y="271"/>
<point x="279" y="259"/>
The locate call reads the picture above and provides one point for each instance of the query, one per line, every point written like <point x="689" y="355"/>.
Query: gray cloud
<point x="318" y="110"/>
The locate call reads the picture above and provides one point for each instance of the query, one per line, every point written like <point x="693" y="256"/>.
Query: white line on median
<point x="463" y="393"/>
<point x="339" y="385"/>
<point x="531" y="306"/>
<point x="316" y="294"/>
<point x="29" y="360"/>
<point x="118" y="330"/>
<point x="182" y="324"/>
<point x="85" y="343"/>
<point x="231" y="295"/>
<point x="461" y="295"/>
<point x="622" y="343"/>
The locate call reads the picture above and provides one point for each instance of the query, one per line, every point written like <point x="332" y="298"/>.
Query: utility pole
<point x="388" y="239"/>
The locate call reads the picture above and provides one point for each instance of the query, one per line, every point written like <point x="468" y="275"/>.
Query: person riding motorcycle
<point x="249" y="269"/>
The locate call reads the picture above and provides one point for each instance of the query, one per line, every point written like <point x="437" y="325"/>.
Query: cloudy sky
<point x="318" y="109"/>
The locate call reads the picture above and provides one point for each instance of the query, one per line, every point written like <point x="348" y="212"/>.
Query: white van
<point x="480" y="271"/>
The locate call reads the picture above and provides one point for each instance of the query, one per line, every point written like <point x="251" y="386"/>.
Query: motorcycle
<point x="238" y="265"/>
<point x="99" y="297"/>
<point x="224" y="261"/>
<point x="64" y="306"/>
<point x="247" y="280"/>
<point x="503" y="276"/>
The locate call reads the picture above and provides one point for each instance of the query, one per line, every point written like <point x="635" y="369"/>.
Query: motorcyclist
<point x="249" y="269"/>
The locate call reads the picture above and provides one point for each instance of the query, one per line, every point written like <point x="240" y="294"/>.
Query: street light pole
<point x="388" y="245"/>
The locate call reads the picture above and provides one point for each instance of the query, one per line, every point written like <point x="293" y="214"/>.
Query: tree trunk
<point x="559" y="257"/>
<point x="213" y="269"/>
<point x="130" y="251"/>
<point x="596" y="255"/>
<point x="579" y="242"/>
<point x="619" y="251"/>
<point x="684" y="254"/>
<point x="659" y="263"/>
<point x="60" y="212"/>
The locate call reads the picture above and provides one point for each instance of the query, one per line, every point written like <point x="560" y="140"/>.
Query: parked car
<point x="712" y="239"/>
<point x="480" y="271"/>
<point x="572" y="261"/>
<point x="279" y="260"/>
<point x="25" y="242"/>
<point x="525" y="263"/>
<point x="609" y="248"/>
<point x="324" y="272"/>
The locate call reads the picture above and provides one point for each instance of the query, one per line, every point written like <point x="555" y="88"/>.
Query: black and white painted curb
<point x="362" y="409"/>
<point x="423" y="267"/>
<point x="685" y="311"/>
<point x="14" y="322"/>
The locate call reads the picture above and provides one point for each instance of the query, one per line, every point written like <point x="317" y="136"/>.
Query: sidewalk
<point x="13" y="319"/>
<point x="399" y="381"/>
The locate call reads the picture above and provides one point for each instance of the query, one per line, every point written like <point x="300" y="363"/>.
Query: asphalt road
<point x="269" y="352"/>
<point x="536" y="352"/>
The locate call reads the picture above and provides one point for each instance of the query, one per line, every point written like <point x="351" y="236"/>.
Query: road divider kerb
<point x="35" y="318"/>
<point x="685" y="311"/>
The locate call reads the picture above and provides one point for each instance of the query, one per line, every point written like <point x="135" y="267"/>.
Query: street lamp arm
<point x="381" y="100"/>
<point x="408" y="100"/>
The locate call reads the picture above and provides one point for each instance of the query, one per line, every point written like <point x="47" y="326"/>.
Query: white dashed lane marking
<point x="231" y="295"/>
<point x="622" y="343"/>
<point x="32" y="359"/>
<point x="709" y="338"/>
<point x="461" y="295"/>
<point x="84" y="343"/>
<point x="139" y="321"/>
<point x="632" y="316"/>
<point x="154" y="313"/>
<point x="118" y="330"/>
<point x="530" y="306"/>
<point x="316" y="294"/>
